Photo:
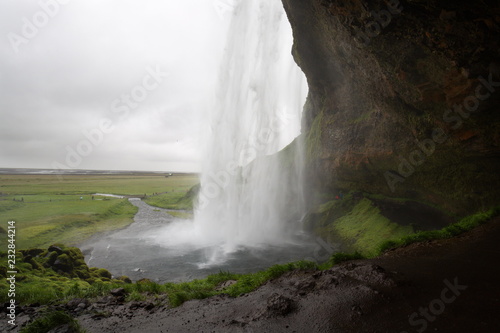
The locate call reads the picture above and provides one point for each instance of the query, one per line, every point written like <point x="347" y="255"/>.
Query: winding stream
<point x="141" y="250"/>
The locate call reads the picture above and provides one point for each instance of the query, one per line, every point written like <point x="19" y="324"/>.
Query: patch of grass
<point x="39" y="291"/>
<point x="181" y="214"/>
<point x="367" y="227"/>
<point x="135" y="296"/>
<point x="48" y="287"/>
<point x="466" y="224"/>
<point x="249" y="282"/>
<point x="341" y="257"/>
<point x="180" y="198"/>
<point x="50" y="321"/>
<point x="95" y="290"/>
<point x="179" y="293"/>
<point x="40" y="224"/>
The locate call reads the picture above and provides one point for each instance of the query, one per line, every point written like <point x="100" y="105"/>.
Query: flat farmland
<point x="48" y="209"/>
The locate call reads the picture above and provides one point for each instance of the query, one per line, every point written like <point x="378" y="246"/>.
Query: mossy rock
<point x="91" y="280"/>
<point x="51" y="259"/>
<point x="32" y="252"/>
<point x="36" y="265"/>
<point x="63" y="263"/>
<point x="125" y="279"/>
<point x="100" y="273"/>
<point x="82" y="273"/>
<point x="79" y="262"/>
<point x="74" y="253"/>
<point x="58" y="248"/>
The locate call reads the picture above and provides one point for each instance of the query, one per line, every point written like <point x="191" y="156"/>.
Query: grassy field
<point x="47" y="210"/>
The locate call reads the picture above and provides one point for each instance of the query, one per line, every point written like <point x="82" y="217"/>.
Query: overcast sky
<point x="107" y="84"/>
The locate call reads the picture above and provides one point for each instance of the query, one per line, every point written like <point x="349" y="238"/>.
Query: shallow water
<point x="142" y="251"/>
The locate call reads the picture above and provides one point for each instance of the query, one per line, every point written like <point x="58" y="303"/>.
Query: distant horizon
<point x="69" y="170"/>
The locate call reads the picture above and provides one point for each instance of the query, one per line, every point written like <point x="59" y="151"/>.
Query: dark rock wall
<point x="403" y="98"/>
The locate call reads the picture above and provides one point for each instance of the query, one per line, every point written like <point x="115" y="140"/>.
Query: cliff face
<point x="403" y="98"/>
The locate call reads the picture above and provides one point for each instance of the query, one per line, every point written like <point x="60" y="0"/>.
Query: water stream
<point x="137" y="253"/>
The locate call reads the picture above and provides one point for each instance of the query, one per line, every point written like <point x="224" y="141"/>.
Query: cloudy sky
<point x="107" y="84"/>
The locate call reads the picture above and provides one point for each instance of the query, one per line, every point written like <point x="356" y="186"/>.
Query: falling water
<point x="250" y="205"/>
<point x="250" y="195"/>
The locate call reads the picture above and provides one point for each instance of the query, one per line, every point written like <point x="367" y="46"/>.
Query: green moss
<point x="368" y="228"/>
<point x="466" y="224"/>
<point x="314" y="137"/>
<point x="100" y="273"/>
<point x="82" y="273"/>
<point x="365" y="116"/>
<point x="125" y="279"/>
<point x="356" y="223"/>
<point x="52" y="258"/>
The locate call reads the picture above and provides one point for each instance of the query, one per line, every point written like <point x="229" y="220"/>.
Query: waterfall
<point x="251" y="187"/>
<point x="251" y="201"/>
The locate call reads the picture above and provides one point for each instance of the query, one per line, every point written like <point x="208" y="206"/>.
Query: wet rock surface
<point x="387" y="76"/>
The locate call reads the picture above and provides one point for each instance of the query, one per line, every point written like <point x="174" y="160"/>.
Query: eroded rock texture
<point x="403" y="98"/>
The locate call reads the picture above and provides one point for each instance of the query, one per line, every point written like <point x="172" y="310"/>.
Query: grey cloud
<point x="64" y="80"/>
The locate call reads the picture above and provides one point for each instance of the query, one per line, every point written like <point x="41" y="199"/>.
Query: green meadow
<point x="48" y="209"/>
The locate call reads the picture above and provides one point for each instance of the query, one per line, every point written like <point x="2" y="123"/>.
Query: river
<point x="142" y="250"/>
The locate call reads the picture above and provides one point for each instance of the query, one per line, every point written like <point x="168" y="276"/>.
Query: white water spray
<point x="249" y="196"/>
<point x="251" y="200"/>
<point x="251" y="185"/>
